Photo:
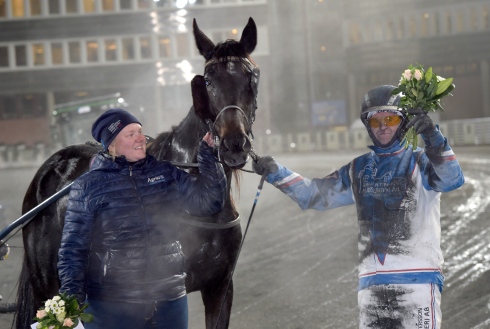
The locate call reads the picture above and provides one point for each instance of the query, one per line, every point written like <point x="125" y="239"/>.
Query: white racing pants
<point x="397" y="306"/>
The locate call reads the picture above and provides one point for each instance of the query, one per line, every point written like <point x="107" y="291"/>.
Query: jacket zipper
<point x="143" y="211"/>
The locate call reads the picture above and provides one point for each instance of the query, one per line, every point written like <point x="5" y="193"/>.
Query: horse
<point x="224" y="101"/>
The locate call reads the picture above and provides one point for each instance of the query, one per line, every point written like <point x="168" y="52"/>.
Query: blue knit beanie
<point x="109" y="124"/>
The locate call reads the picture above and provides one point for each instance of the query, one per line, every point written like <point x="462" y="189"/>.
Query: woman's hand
<point x="208" y="138"/>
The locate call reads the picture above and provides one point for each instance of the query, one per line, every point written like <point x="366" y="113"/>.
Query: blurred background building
<point x="64" y="61"/>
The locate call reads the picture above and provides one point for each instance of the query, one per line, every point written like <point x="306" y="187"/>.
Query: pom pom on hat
<point x="109" y="124"/>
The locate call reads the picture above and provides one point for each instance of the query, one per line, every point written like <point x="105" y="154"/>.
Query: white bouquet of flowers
<point x="61" y="312"/>
<point x="421" y="89"/>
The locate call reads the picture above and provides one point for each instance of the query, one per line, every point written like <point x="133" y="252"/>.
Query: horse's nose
<point x="236" y="144"/>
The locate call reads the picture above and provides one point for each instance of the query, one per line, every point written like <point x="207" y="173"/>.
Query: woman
<point x="119" y="250"/>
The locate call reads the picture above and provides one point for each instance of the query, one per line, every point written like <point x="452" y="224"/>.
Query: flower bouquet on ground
<point x="421" y="89"/>
<point x="61" y="312"/>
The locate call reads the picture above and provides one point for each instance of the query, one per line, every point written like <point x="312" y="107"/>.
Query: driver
<point x="396" y="190"/>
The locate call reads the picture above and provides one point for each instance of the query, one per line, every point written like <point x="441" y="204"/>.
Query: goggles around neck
<point x="391" y="120"/>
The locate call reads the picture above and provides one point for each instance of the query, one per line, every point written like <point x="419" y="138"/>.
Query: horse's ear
<point x="200" y="98"/>
<point x="249" y="36"/>
<point x="203" y="43"/>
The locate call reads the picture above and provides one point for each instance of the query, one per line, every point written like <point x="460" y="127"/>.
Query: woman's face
<point x="384" y="126"/>
<point x="130" y="142"/>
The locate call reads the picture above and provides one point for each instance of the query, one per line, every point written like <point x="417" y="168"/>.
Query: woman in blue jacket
<point x="119" y="250"/>
<point x="396" y="190"/>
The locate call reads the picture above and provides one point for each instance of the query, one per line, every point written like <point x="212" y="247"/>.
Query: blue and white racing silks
<point x="397" y="194"/>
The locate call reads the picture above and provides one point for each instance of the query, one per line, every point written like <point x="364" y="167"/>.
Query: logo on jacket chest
<point x="386" y="185"/>
<point x="156" y="179"/>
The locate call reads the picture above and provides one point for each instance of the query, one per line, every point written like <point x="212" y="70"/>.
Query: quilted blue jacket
<point x="120" y="237"/>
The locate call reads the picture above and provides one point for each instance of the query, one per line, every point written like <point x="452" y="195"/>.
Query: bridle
<point x="254" y="81"/>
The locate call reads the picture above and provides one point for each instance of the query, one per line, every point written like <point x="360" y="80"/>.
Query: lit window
<point x="108" y="5"/>
<point x="4" y="56"/>
<point x="110" y="48"/>
<point x="164" y="47"/>
<point x="74" y="52"/>
<point x="145" y="47"/>
<point x="20" y="55"/>
<point x="92" y="51"/>
<point x="18" y="9"/>
<point x="88" y="6"/>
<point x="38" y="54"/>
<point x="35" y="7"/>
<point x="127" y="49"/>
<point x="56" y="53"/>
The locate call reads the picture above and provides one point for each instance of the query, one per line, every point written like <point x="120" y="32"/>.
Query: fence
<point x="458" y="133"/>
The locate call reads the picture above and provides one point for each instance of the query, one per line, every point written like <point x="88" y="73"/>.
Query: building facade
<point x="317" y="58"/>
<point x="61" y="52"/>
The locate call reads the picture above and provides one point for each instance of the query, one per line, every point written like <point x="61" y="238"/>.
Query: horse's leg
<point x="217" y="305"/>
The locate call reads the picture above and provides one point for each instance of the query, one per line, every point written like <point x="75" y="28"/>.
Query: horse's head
<point x="226" y="96"/>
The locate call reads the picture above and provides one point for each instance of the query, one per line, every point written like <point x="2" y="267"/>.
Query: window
<point x="355" y="35"/>
<point x="460" y="22"/>
<point x="20" y="55"/>
<point x="74" y="52"/>
<point x="71" y="6"/>
<point x="3" y="9"/>
<point x="35" y="7"/>
<point x="92" y="51"/>
<point x="125" y="4"/>
<point x="110" y="48"/>
<point x="182" y="41"/>
<point x="474" y="20"/>
<point x="412" y="27"/>
<point x="107" y="5"/>
<point x="18" y="9"/>
<point x="485" y="21"/>
<point x="424" y="26"/>
<point x="145" y="47"/>
<point x="164" y="47"/>
<point x="448" y="27"/>
<point x="54" y="7"/>
<point x="38" y="54"/>
<point x="127" y="49"/>
<point x="144" y="4"/>
<point x="4" y="56"/>
<point x="56" y="53"/>
<point x="88" y="6"/>
<point x="390" y="30"/>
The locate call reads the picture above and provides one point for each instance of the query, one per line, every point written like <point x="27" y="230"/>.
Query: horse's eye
<point x="208" y="83"/>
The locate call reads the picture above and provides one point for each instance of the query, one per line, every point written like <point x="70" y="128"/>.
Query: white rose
<point x="407" y="74"/>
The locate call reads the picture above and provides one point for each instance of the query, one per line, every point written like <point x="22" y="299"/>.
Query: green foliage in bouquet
<point x="61" y="312"/>
<point x="421" y="89"/>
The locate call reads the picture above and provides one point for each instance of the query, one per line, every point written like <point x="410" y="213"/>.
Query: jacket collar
<point x="103" y="161"/>
<point x="396" y="147"/>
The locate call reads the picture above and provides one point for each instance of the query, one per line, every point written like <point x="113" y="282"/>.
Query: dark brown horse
<point x="224" y="101"/>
